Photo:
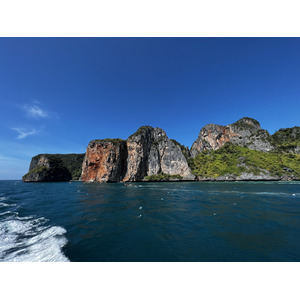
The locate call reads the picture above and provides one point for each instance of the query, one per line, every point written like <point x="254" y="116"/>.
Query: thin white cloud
<point x="35" y="111"/>
<point x="3" y="157"/>
<point x="23" y="133"/>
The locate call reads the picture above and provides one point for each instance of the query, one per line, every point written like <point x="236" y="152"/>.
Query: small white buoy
<point x="141" y="207"/>
<point x="294" y="195"/>
<point x="139" y="216"/>
<point x="214" y="214"/>
<point x="161" y="198"/>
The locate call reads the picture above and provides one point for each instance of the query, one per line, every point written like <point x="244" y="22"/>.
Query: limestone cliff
<point x="54" y="167"/>
<point x="245" y="132"/>
<point x="151" y="152"/>
<point x="147" y="152"/>
<point x="105" y="161"/>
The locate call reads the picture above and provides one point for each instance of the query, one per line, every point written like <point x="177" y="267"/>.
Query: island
<point x="236" y="152"/>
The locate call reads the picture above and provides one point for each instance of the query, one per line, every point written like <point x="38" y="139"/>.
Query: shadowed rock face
<point x="47" y="168"/>
<point x="244" y="132"/>
<point x="150" y="152"/>
<point x="105" y="161"/>
<point x="139" y="147"/>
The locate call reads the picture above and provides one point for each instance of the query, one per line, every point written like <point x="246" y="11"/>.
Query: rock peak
<point x="247" y="121"/>
<point x="146" y="131"/>
<point x="245" y="132"/>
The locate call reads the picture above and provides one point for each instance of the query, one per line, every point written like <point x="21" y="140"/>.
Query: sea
<point x="150" y="222"/>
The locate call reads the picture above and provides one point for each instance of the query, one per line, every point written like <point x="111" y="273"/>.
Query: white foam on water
<point x="276" y="194"/>
<point x="269" y="193"/>
<point x="5" y="213"/>
<point x="28" y="239"/>
<point x="2" y="204"/>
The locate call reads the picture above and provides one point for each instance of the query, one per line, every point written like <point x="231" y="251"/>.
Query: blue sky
<point x="57" y="94"/>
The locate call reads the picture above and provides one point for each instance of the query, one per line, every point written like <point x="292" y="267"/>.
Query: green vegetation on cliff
<point x="61" y="166"/>
<point x="38" y="169"/>
<point x="73" y="162"/>
<point x="162" y="177"/>
<point x="246" y="123"/>
<point x="115" y="141"/>
<point x="235" y="160"/>
<point x="286" y="139"/>
<point x="287" y="135"/>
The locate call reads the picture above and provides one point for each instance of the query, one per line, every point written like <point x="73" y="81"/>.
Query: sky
<point x="57" y="94"/>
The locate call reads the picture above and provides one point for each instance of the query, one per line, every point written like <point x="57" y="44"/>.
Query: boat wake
<point x="29" y="238"/>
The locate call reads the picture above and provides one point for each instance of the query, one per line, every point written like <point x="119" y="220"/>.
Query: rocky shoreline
<point x="241" y="151"/>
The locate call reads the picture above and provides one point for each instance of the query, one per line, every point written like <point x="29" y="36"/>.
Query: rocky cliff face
<point x="105" y="161"/>
<point x="147" y="152"/>
<point x="54" y="167"/>
<point x="244" y="132"/>
<point x="151" y="152"/>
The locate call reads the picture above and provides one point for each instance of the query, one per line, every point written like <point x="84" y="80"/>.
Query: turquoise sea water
<point x="179" y="221"/>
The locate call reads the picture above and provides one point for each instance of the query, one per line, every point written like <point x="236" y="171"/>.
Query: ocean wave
<point x="29" y="239"/>
<point x="277" y="194"/>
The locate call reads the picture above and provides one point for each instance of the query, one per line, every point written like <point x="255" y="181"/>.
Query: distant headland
<point x="237" y="152"/>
